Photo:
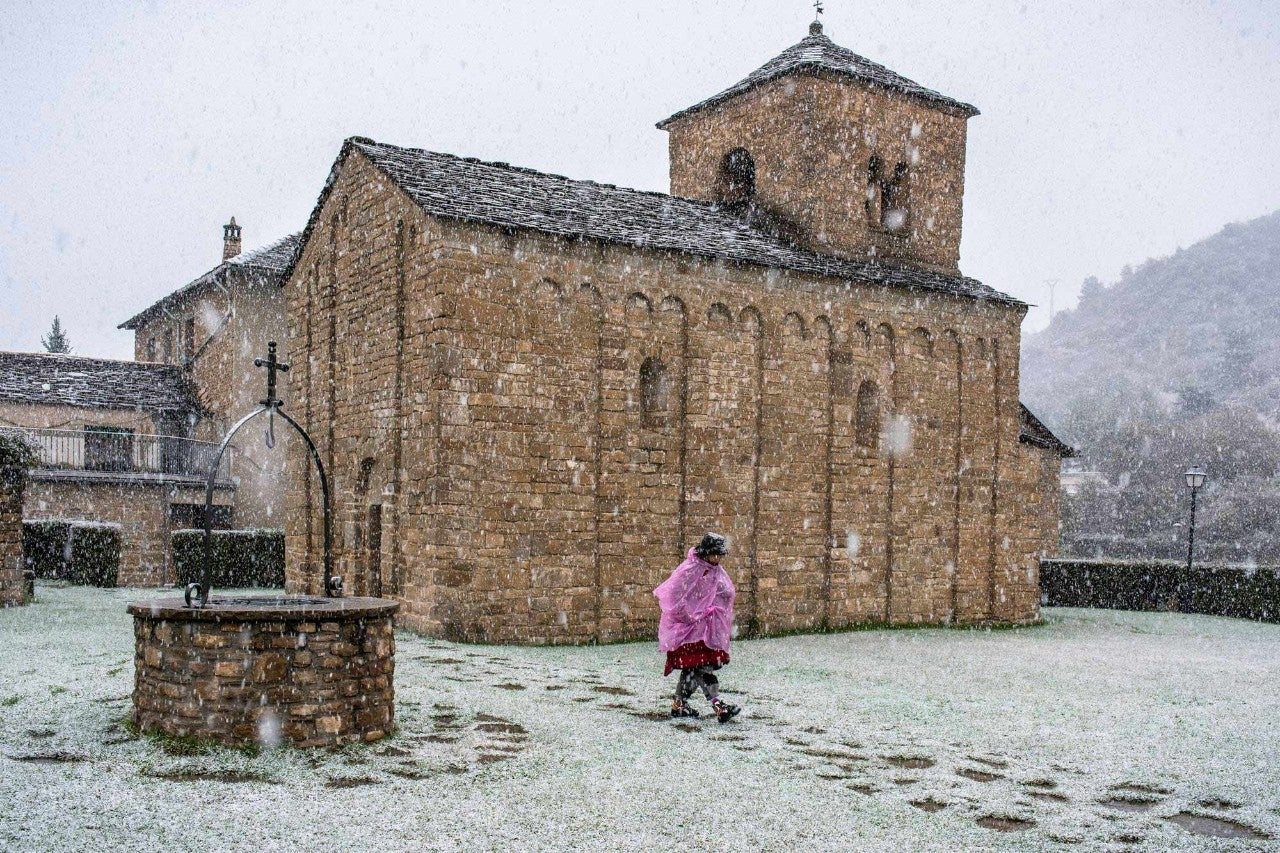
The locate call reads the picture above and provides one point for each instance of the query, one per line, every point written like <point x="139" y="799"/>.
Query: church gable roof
<point x="67" y="380"/>
<point x="269" y="262"/>
<point x="817" y="53"/>
<point x="511" y="197"/>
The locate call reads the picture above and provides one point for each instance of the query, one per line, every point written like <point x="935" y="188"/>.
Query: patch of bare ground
<point x="1043" y="784"/>
<point x="1141" y="788"/>
<point x="910" y="762"/>
<point x="194" y="775"/>
<point x="510" y="685"/>
<point x="350" y="781"/>
<point x="555" y="687"/>
<point x="864" y="790"/>
<point x="929" y="805"/>
<point x="394" y="751"/>
<point x="978" y="775"/>
<point x="55" y="757"/>
<point x="1216" y="827"/>
<point x="612" y="691"/>
<point x="905" y="781"/>
<point x="1005" y="824"/>
<point x="505" y="727"/>
<point x="687" y="727"/>
<point x="990" y="762"/>
<point x="1051" y="796"/>
<point x="1129" y="804"/>
<point x="1217" y="803"/>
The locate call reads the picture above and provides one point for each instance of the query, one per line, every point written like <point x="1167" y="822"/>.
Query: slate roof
<point x="269" y="262"/>
<point x="817" y="53"/>
<point x="69" y="380"/>
<point x="1031" y="430"/>
<point x="511" y="197"/>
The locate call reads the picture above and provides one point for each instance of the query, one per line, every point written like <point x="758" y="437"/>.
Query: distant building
<point x="213" y="328"/>
<point x="534" y="393"/>
<point x="113" y="442"/>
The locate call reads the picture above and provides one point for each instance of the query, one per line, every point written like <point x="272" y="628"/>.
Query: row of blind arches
<point x="657" y="403"/>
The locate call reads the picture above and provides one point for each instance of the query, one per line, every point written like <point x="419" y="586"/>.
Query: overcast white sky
<point x="131" y="131"/>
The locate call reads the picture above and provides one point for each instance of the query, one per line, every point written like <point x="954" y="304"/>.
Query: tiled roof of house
<point x="1032" y="430"/>
<point x="69" y="380"/>
<point x="268" y="262"/>
<point x="511" y="197"/>
<point x="817" y="53"/>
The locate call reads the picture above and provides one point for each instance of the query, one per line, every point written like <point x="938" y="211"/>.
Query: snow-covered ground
<point x="519" y="749"/>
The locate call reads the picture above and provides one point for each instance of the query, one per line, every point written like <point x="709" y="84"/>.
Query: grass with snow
<point x="1088" y="732"/>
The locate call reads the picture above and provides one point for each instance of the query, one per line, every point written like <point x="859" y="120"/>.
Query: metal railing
<point x="111" y="450"/>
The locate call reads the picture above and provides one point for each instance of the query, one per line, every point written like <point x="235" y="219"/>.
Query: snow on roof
<point x="69" y="380"/>
<point x="1031" y="430"/>
<point x="269" y="261"/>
<point x="818" y="53"/>
<point x="513" y="197"/>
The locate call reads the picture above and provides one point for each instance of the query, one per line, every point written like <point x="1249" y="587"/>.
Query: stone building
<point x="213" y="328"/>
<point x="534" y="393"/>
<point x="113" y="444"/>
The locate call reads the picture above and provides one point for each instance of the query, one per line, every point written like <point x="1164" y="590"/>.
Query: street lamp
<point x="1195" y="479"/>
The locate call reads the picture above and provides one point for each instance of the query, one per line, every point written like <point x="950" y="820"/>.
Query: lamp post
<point x="1195" y="479"/>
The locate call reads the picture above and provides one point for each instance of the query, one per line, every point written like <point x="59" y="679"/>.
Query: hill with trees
<point x="1176" y="364"/>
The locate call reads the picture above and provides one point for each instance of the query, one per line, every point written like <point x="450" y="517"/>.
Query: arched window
<point x="738" y="176"/>
<point x="867" y="417"/>
<point x="655" y="393"/>
<point x="893" y="199"/>
<point x="887" y="202"/>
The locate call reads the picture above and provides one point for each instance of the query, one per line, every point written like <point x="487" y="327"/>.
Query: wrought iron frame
<point x="197" y="594"/>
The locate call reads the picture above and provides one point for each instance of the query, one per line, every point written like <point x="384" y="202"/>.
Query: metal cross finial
<point x="272" y="366"/>
<point x="817" y="10"/>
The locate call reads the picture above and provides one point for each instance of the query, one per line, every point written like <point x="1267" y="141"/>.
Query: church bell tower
<point x="832" y="152"/>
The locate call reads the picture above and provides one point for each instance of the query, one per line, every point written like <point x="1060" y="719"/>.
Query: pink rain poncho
<point x="697" y="605"/>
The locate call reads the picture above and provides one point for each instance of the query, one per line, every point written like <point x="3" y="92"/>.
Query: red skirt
<point x="692" y="655"/>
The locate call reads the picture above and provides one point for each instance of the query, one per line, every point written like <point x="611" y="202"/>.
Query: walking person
<point x="696" y="624"/>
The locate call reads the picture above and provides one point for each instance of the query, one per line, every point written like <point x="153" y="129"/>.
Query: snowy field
<point x="1098" y="730"/>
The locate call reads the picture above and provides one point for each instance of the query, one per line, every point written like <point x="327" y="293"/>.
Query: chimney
<point x="230" y="239"/>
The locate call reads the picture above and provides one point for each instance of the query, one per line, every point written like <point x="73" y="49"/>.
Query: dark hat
<point x="712" y="543"/>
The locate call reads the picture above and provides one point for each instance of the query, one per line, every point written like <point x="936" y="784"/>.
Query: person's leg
<point x="686" y="684"/>
<point x="684" y="689"/>
<point x="707" y="680"/>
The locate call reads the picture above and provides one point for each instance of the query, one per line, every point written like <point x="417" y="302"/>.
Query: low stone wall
<point x="308" y="672"/>
<point x="15" y="459"/>
<point x="13" y="588"/>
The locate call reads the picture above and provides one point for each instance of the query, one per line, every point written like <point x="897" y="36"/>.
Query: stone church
<point x="535" y="393"/>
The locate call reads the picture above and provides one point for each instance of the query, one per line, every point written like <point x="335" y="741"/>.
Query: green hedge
<point x="95" y="554"/>
<point x="241" y="558"/>
<point x="1245" y="592"/>
<point x="80" y="552"/>
<point x="45" y="548"/>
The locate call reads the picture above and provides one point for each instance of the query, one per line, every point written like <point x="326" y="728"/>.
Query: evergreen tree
<point x="56" y="340"/>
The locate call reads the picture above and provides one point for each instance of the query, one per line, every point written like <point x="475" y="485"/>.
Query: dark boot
<point x="681" y="708"/>
<point x="723" y="710"/>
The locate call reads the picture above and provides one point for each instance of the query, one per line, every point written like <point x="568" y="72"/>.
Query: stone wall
<point x="139" y="506"/>
<point x="13" y="588"/>
<point x="811" y="139"/>
<point x="486" y="393"/>
<point x="321" y="676"/>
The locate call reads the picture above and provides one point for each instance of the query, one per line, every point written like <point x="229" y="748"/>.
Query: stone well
<point x="242" y="671"/>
